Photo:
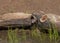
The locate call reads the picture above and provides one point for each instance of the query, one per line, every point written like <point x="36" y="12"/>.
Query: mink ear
<point x="43" y="18"/>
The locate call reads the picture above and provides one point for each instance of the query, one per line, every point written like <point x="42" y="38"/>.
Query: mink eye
<point x="32" y="17"/>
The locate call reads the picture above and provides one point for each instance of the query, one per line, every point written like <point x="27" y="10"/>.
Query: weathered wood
<point x="16" y="19"/>
<point x="10" y="16"/>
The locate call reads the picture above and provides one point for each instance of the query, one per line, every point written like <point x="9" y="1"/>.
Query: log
<point x="16" y="19"/>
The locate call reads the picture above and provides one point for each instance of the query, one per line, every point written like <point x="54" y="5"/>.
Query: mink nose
<point x="34" y="19"/>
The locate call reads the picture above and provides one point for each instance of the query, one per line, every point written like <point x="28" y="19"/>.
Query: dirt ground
<point x="27" y="6"/>
<point x="30" y="6"/>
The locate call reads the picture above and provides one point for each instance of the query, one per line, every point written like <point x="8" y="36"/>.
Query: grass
<point x="12" y="36"/>
<point x="35" y="34"/>
<point x="23" y="35"/>
<point x="53" y="33"/>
